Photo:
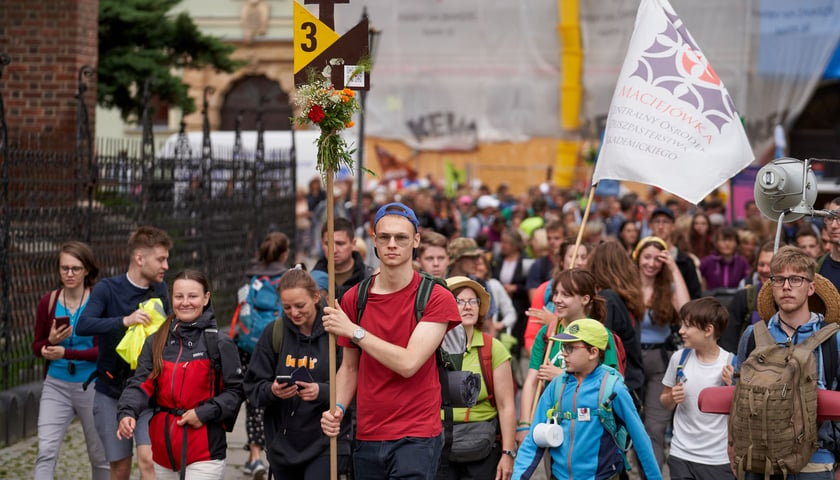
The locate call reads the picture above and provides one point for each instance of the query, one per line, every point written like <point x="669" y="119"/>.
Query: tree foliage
<point x="139" y="39"/>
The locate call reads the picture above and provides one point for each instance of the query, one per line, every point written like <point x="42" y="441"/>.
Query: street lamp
<point x="373" y="35"/>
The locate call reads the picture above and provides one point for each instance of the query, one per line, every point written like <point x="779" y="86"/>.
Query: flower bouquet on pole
<point x="331" y="110"/>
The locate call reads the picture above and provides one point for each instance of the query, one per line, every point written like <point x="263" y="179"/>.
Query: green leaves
<point x="139" y="39"/>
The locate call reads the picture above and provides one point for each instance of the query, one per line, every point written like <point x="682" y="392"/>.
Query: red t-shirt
<point x="388" y="406"/>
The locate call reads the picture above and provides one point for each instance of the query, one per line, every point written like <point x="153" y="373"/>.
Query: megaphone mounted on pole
<point x="785" y="190"/>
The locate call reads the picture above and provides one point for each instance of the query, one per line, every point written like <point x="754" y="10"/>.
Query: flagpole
<point x="557" y="327"/>
<point x="546" y="355"/>
<point x="583" y="223"/>
<point x="331" y="302"/>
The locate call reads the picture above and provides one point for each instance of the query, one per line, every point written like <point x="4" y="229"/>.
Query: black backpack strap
<point x="278" y="331"/>
<point x="211" y="339"/>
<point x="424" y="292"/>
<point x="361" y="298"/>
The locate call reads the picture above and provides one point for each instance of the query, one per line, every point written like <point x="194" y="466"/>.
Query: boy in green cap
<point x="594" y="409"/>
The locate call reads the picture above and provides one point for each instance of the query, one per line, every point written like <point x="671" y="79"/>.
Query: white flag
<point x="671" y="122"/>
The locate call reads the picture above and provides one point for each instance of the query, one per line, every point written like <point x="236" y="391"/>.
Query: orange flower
<point x="348" y="92"/>
<point x="349" y="124"/>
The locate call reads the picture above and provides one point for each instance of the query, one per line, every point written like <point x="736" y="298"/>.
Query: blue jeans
<point x="407" y="458"/>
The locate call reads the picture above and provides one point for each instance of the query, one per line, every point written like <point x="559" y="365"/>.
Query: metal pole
<point x="5" y="238"/>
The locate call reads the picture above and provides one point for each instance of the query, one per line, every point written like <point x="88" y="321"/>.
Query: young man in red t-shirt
<point x="389" y="361"/>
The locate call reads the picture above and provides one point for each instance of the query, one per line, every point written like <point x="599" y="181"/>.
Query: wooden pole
<point x="331" y="302"/>
<point x="583" y="223"/>
<point x="545" y="361"/>
<point x="579" y="238"/>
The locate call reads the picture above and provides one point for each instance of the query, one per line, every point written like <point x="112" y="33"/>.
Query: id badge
<point x="583" y="415"/>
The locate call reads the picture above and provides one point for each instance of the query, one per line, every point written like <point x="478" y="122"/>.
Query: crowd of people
<point x="654" y="293"/>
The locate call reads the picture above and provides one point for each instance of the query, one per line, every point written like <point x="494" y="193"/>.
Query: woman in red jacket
<point x="194" y="400"/>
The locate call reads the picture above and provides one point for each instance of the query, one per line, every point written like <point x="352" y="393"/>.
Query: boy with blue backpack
<point x="585" y="416"/>
<point x="699" y="442"/>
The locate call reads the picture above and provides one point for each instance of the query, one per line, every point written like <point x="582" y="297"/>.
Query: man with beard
<point x="112" y="308"/>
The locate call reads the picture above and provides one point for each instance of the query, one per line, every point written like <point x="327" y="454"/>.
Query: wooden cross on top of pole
<point x="326" y="10"/>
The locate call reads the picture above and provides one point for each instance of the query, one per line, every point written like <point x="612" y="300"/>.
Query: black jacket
<point x="620" y="321"/>
<point x="520" y="300"/>
<point x="740" y="317"/>
<point x="110" y="300"/>
<point x="360" y="272"/>
<point x="689" y="274"/>
<point x="293" y="433"/>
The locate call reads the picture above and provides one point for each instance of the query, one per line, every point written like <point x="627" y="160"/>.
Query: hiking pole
<point x="331" y="303"/>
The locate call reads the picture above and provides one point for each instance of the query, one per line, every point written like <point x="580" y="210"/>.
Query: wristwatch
<point x="358" y="335"/>
<point x="511" y="453"/>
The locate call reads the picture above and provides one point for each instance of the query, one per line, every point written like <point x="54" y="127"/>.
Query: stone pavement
<point x="17" y="461"/>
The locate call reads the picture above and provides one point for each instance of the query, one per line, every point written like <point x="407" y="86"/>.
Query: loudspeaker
<point x="786" y="184"/>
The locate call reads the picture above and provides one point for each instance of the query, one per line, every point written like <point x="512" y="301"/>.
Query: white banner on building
<point x="449" y="74"/>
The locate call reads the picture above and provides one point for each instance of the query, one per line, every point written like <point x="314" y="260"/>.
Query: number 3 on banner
<point x="311" y="37"/>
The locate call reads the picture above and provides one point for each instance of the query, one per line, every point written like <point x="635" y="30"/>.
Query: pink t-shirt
<point x="388" y="406"/>
<point x="533" y="326"/>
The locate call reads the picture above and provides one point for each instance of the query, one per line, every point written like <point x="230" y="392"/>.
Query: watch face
<point x="358" y="334"/>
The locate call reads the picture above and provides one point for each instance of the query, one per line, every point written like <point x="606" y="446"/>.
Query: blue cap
<point x="400" y="209"/>
<point x="661" y="210"/>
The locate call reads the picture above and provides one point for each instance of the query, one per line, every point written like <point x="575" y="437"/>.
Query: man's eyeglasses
<point x="793" y="280"/>
<point x="473" y="302"/>
<point x="569" y="348"/>
<point x="833" y="218"/>
<point x="400" y="238"/>
<point x="74" y="270"/>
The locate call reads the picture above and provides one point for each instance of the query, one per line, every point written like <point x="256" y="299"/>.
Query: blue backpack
<point x="260" y="307"/>
<point x="613" y="426"/>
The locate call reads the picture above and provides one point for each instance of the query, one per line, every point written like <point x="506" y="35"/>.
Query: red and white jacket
<point x="186" y="382"/>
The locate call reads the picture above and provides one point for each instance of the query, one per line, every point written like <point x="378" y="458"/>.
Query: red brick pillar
<point x="48" y="41"/>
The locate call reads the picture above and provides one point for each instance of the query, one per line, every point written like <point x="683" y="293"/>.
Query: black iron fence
<point x="216" y="207"/>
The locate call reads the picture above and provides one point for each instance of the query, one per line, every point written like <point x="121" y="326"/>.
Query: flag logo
<point x="675" y="63"/>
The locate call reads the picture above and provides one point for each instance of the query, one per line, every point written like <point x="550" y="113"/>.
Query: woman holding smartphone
<point x="291" y="381"/>
<point x="70" y="361"/>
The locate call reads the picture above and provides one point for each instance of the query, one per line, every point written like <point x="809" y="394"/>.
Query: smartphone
<point x="62" y="321"/>
<point x="287" y="379"/>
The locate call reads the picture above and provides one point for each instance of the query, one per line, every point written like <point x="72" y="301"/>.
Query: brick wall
<point x="48" y="42"/>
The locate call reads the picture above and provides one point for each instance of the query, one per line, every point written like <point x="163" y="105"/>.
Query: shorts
<point x="105" y="418"/>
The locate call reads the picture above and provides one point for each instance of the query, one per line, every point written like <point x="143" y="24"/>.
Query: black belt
<point x="652" y="346"/>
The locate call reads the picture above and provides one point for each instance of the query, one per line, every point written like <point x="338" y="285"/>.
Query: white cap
<point x="486" y="201"/>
